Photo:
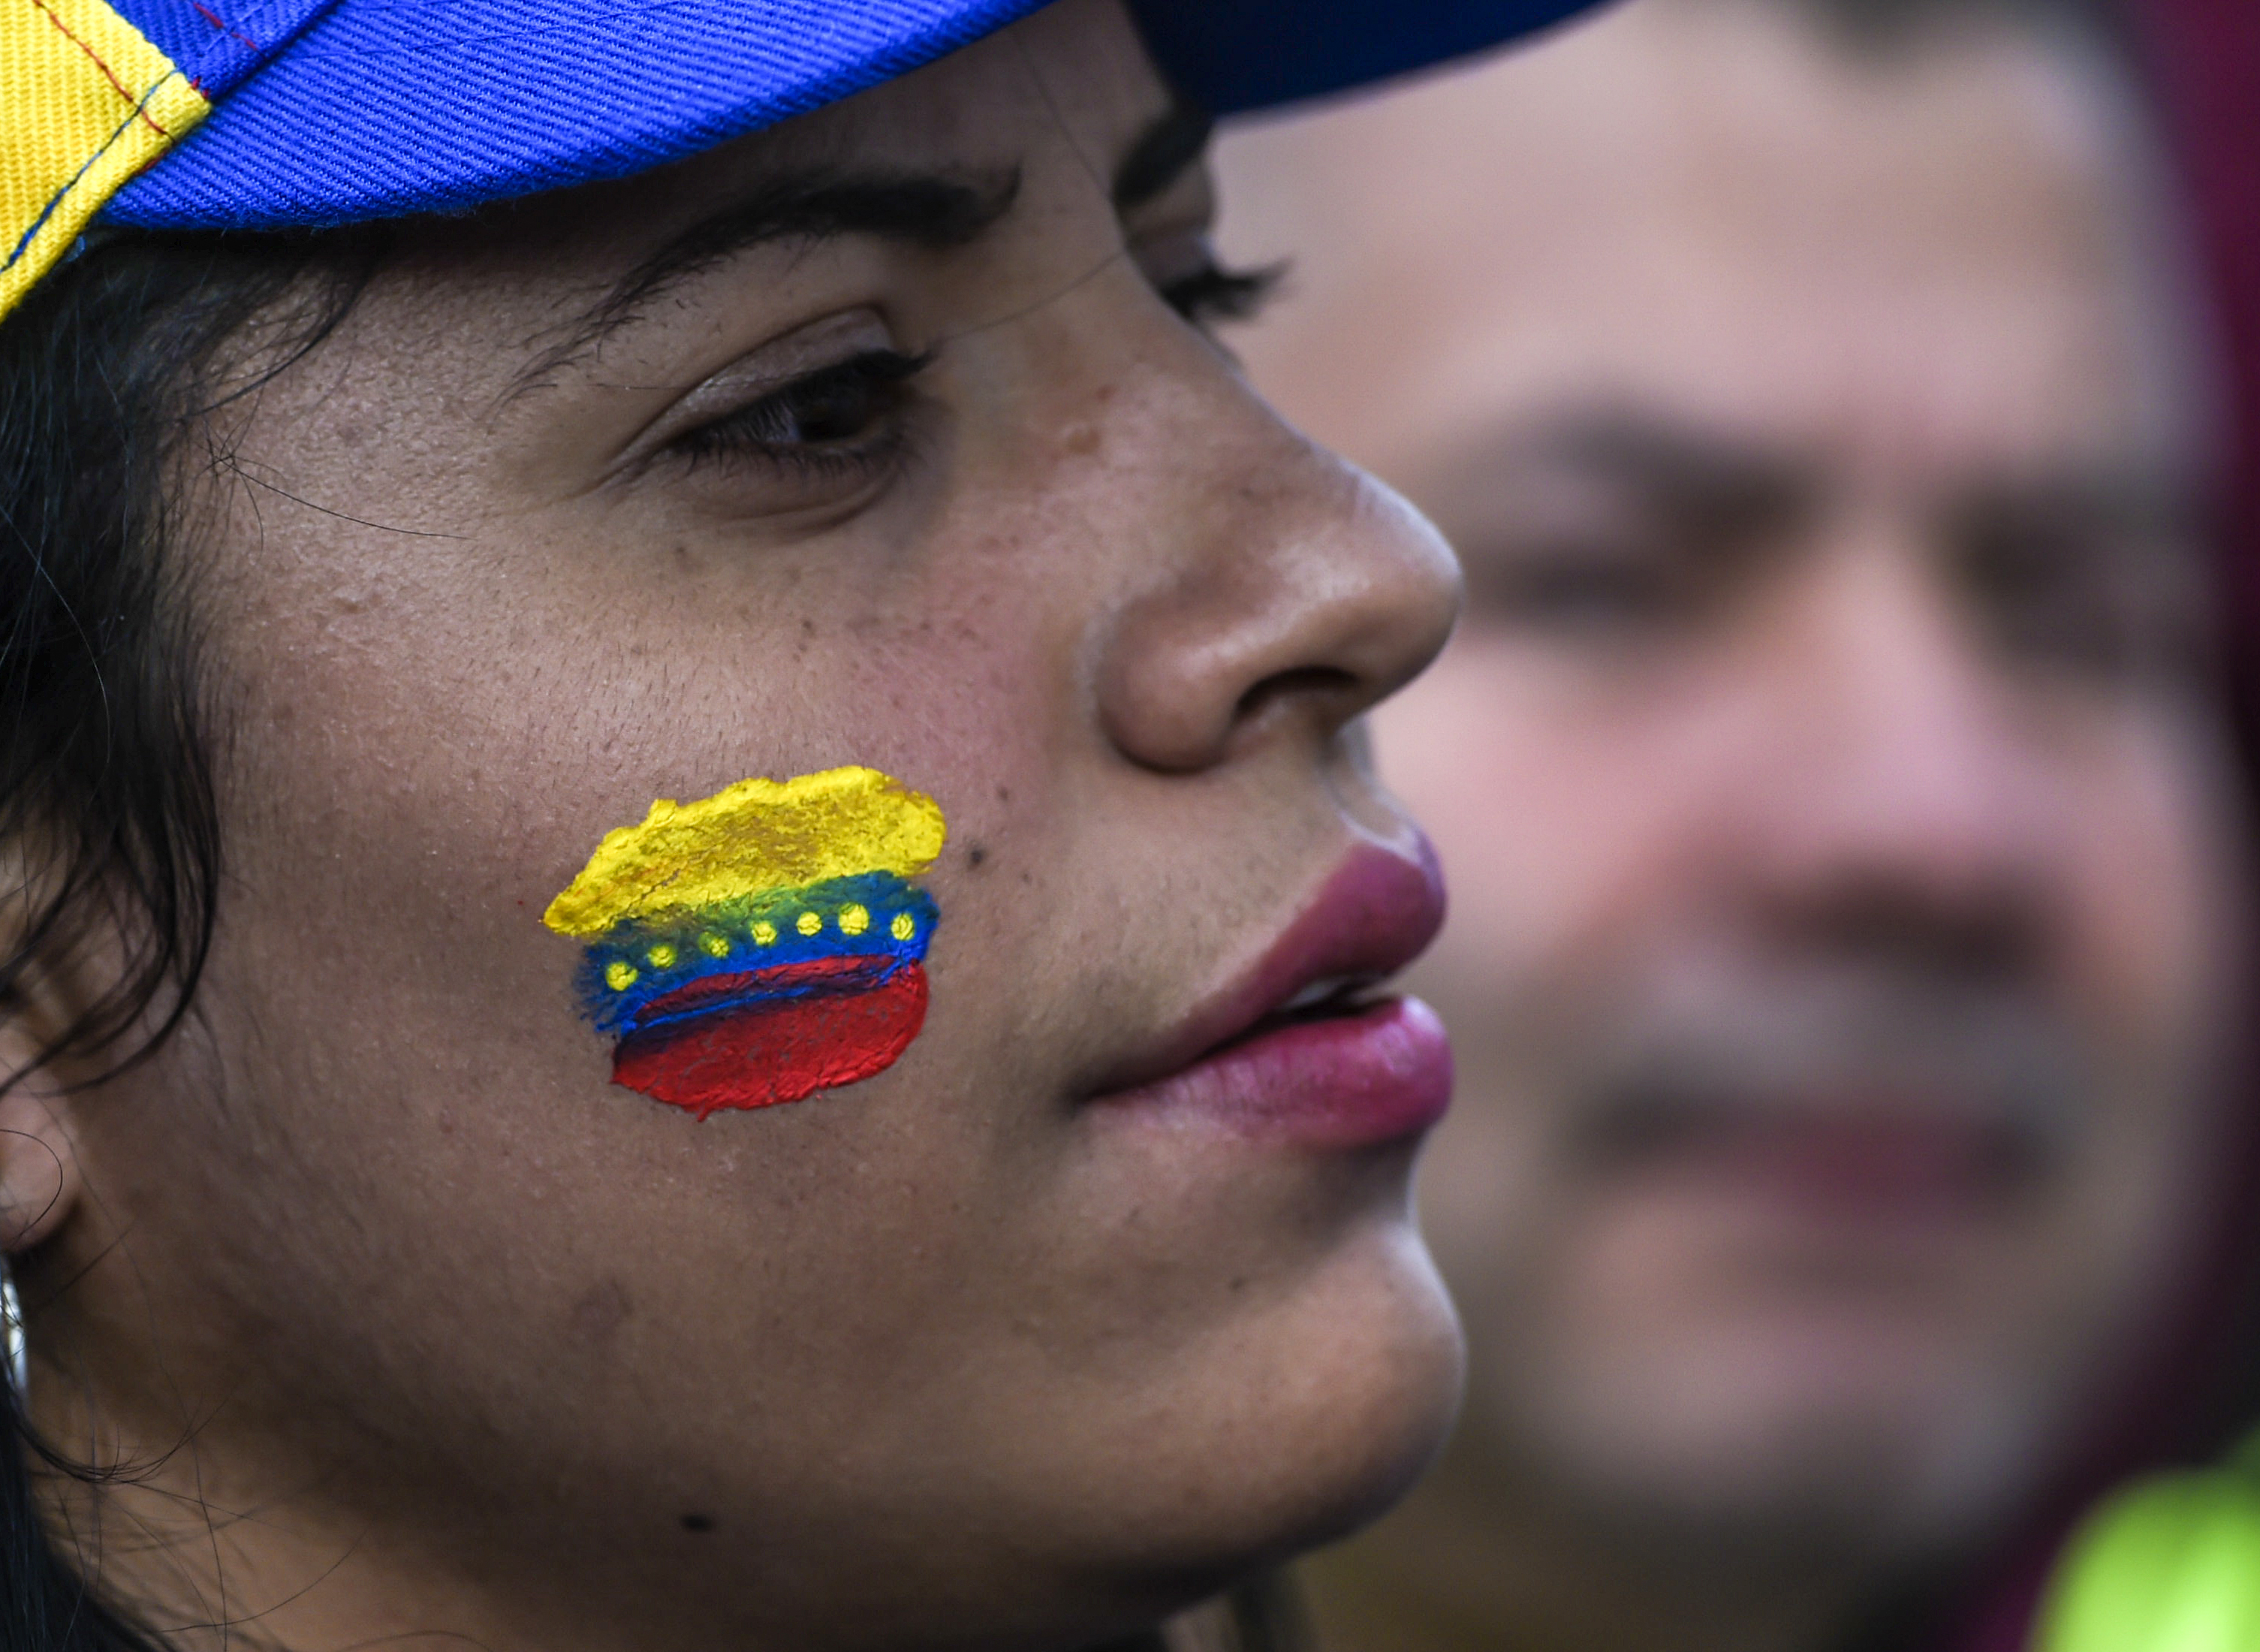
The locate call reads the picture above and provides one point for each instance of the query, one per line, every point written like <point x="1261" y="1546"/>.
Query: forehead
<point x="1933" y="261"/>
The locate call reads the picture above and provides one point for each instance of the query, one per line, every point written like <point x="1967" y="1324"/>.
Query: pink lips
<point x="1359" y="1072"/>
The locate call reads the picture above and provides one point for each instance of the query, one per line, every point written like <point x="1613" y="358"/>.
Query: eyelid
<point x="734" y="434"/>
<point x="1181" y="264"/>
<point x="1185" y="202"/>
<point x="761" y="372"/>
<point x="1219" y="293"/>
<point x="1174" y="252"/>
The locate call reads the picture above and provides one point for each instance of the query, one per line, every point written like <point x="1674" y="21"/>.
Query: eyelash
<point x="764" y="429"/>
<point x="767" y="429"/>
<point x="1217" y="293"/>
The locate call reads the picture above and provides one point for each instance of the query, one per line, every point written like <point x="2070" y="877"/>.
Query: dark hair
<point x="109" y="371"/>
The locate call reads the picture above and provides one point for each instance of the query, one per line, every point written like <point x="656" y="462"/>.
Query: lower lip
<point x="1365" y="1080"/>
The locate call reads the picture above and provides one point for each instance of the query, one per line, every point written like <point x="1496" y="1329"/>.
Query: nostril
<point x="1312" y="682"/>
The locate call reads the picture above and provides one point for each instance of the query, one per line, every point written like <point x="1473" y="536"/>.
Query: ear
<point x="40" y="1180"/>
<point x="39" y="1157"/>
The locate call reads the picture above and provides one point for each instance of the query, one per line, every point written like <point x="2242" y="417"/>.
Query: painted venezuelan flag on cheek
<point x="761" y="944"/>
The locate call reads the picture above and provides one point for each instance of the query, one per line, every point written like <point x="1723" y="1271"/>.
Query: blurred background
<point x="1842" y="772"/>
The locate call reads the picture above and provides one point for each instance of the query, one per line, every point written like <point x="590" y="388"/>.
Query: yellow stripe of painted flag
<point x="746" y="839"/>
<point x="89" y="103"/>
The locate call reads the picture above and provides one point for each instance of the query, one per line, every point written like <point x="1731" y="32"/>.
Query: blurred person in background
<point x="1845" y="838"/>
<point x="2170" y="1562"/>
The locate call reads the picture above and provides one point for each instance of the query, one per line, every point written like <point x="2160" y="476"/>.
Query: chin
<point x="1097" y="1453"/>
<point x="1310" y="1419"/>
<point x="1871" y="1473"/>
<point x="1171" y="1389"/>
<point x="1099" y="1501"/>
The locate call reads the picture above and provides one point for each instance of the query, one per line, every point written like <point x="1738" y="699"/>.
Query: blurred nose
<point x="1904" y="805"/>
<point x="1289" y="593"/>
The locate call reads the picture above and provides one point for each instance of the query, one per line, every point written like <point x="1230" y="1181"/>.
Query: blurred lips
<point x="1299" y="1050"/>
<point x="1876" y="1165"/>
<point x="1839" y="1099"/>
<point x="1842" y="1158"/>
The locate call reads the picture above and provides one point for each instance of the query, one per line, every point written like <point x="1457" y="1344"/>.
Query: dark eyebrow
<point x="1161" y="153"/>
<point x="1699" y="476"/>
<point x="925" y="209"/>
<point x="2090" y="502"/>
<point x="1710" y="491"/>
<point x="1632" y="442"/>
<point x="1684" y="467"/>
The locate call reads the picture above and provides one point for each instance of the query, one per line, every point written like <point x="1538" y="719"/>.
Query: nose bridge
<point x="1275" y="581"/>
<point x="1894" y="758"/>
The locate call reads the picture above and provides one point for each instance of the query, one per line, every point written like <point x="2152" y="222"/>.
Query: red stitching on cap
<point x="217" y="22"/>
<point x="95" y="58"/>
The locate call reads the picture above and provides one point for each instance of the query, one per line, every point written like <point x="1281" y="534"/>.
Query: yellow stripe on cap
<point x="91" y="103"/>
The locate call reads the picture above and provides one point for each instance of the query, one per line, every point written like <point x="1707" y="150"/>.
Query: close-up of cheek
<point x="2158" y="892"/>
<point x="601" y="878"/>
<point x="1475" y="750"/>
<point x="2155" y="893"/>
<point x="1572" y="814"/>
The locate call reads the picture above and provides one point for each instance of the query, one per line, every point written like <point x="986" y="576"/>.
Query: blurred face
<point x="1834" y="809"/>
<point x="884" y="439"/>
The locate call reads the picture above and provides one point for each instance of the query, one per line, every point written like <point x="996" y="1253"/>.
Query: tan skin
<point x="1754" y="743"/>
<point x="422" y="1329"/>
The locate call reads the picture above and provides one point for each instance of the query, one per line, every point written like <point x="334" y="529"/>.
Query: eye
<point x="2113" y="611"/>
<point x="1213" y="292"/>
<point x="845" y="414"/>
<point x="2104" y="591"/>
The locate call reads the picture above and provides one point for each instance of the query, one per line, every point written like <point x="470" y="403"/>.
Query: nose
<point x="1287" y="593"/>
<point x="1904" y="805"/>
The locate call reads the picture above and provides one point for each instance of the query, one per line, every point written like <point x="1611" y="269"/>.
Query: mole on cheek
<point x="599" y="1314"/>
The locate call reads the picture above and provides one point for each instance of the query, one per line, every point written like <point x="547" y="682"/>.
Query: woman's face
<point x="638" y="491"/>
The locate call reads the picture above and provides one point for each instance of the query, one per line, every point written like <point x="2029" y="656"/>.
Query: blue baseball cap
<point x="273" y="114"/>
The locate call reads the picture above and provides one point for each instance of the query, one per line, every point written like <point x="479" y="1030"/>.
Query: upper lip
<point x="1375" y="913"/>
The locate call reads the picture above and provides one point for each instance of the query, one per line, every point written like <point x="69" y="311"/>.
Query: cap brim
<point x="1237" y="55"/>
<point x="386" y="108"/>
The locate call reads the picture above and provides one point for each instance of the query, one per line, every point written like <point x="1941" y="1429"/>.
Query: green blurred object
<point x="2171" y="1564"/>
